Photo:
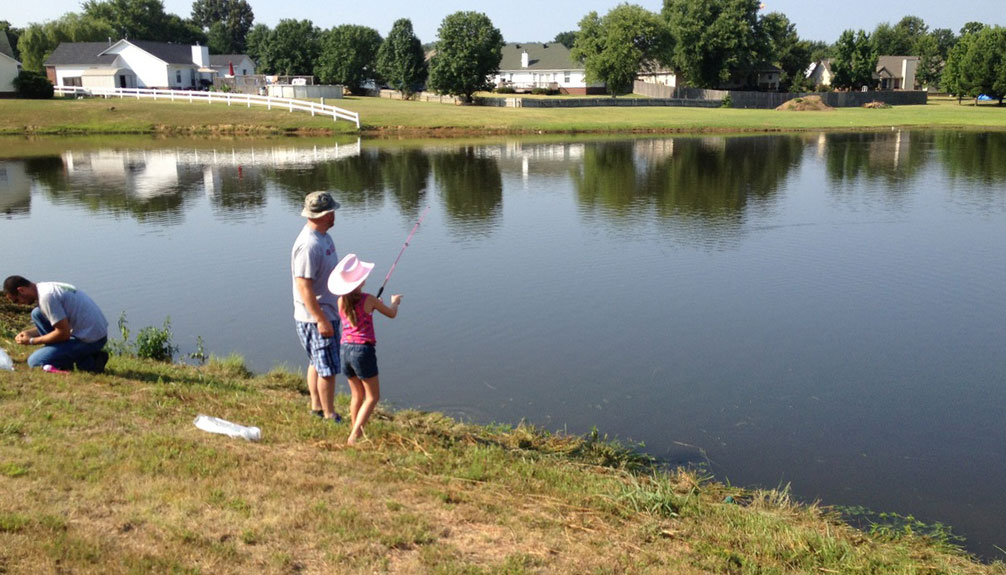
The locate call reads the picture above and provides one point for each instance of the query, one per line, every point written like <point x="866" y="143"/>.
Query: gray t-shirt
<point x="313" y="257"/>
<point x="59" y="301"/>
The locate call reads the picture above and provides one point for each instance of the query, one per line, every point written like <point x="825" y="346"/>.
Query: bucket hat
<point x="317" y="204"/>
<point x="348" y="274"/>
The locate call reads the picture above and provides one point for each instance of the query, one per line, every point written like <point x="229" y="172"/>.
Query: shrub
<point x="727" y="102"/>
<point x="33" y="85"/>
<point x="506" y="90"/>
<point x="155" y="343"/>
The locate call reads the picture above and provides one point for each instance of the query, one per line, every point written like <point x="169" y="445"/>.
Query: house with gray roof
<point x="129" y="64"/>
<point x="526" y="66"/>
<point x="892" y="73"/>
<point x="896" y="72"/>
<point x="10" y="68"/>
<point x="227" y="65"/>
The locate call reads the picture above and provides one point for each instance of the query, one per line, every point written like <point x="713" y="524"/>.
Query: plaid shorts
<point x="322" y="352"/>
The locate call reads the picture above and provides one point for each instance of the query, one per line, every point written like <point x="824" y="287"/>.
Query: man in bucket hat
<point x="315" y="309"/>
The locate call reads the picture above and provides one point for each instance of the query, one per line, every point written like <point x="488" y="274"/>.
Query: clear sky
<point x="541" y="20"/>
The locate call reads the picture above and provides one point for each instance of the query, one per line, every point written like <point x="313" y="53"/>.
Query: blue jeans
<point x="63" y="354"/>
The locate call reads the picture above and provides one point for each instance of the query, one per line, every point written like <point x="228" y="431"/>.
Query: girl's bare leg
<point x="356" y="398"/>
<point x="372" y="387"/>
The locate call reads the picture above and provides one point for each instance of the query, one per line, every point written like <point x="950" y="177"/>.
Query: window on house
<point x="72" y="81"/>
<point x="566" y="78"/>
<point x="178" y="76"/>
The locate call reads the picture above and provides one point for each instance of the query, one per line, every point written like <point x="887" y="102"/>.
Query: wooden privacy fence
<point x="229" y="98"/>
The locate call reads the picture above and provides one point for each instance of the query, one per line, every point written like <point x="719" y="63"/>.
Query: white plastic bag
<point x="6" y="363"/>
<point x="224" y="427"/>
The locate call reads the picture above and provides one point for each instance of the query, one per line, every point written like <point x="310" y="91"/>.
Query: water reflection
<point x="15" y="189"/>
<point x="471" y="186"/>
<point x="708" y="183"/>
<point x="888" y="156"/>
<point x="976" y="157"/>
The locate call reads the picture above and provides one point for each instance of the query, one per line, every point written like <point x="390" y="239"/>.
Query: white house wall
<point x="151" y="71"/>
<point x="63" y="72"/>
<point x="542" y="78"/>
<point x="9" y="70"/>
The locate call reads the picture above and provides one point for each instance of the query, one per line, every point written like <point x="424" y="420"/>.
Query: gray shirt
<point x="59" y="301"/>
<point x="314" y="257"/>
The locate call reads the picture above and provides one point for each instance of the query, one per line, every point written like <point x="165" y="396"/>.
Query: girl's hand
<point x="396" y="299"/>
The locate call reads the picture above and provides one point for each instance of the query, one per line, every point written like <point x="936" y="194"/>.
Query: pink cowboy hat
<point x="348" y="275"/>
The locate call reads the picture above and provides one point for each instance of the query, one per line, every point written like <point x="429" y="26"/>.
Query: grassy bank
<point x="107" y="474"/>
<point x="394" y="117"/>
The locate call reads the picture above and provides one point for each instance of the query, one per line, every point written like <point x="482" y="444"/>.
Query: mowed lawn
<point x="126" y="116"/>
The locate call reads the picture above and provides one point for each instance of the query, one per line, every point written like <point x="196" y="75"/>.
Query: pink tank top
<point x="363" y="331"/>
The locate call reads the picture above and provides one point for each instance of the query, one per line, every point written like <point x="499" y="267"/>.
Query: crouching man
<point x="68" y="325"/>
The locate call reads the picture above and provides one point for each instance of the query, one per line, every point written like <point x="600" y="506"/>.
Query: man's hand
<point x="325" y="328"/>
<point x="22" y="338"/>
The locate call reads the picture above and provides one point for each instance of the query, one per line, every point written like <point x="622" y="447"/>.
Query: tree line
<point x="707" y="43"/>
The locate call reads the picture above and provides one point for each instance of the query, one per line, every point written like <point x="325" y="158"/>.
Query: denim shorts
<point x="359" y="360"/>
<point x="322" y="352"/>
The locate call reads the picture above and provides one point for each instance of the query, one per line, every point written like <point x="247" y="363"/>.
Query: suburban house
<point x="896" y="72"/>
<point x="129" y="64"/>
<point x="525" y="67"/>
<point x="227" y="65"/>
<point x="765" y="77"/>
<point x="9" y="68"/>
<point x="892" y="73"/>
<point x="820" y="73"/>
<point x="657" y="74"/>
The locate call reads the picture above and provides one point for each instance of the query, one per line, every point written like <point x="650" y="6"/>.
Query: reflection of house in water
<point x="15" y="189"/>
<point x="147" y="174"/>
<point x="531" y="158"/>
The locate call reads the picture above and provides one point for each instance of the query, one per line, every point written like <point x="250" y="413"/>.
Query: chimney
<point x="201" y="55"/>
<point x="523" y="59"/>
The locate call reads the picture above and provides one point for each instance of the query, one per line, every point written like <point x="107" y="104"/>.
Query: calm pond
<point x="824" y="311"/>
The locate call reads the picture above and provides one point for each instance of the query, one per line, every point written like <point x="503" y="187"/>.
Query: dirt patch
<point x="876" y="105"/>
<point x="805" y="104"/>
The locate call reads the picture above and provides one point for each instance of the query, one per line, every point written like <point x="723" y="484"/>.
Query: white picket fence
<point x="229" y="98"/>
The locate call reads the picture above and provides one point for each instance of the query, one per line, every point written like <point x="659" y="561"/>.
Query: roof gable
<point x="169" y="53"/>
<point x="552" y="56"/>
<point x="225" y="59"/>
<point x="80" y="54"/>
<point x="5" y="47"/>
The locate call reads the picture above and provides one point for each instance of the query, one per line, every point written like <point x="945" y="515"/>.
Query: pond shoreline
<point x="430" y="487"/>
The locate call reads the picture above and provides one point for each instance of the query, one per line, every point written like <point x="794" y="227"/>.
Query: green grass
<point x="107" y="474"/>
<point x="390" y="117"/>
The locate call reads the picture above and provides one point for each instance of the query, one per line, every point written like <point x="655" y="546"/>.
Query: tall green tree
<point x="349" y="56"/>
<point x="257" y="47"/>
<point x="786" y="50"/>
<point x="400" y="59"/>
<point x="855" y="61"/>
<point x="294" y="46"/>
<point x="143" y="20"/>
<point x="977" y="64"/>
<point x="37" y="41"/>
<point x="567" y="38"/>
<point x="468" y="52"/>
<point x="714" y="39"/>
<point x="226" y="22"/>
<point x="902" y="39"/>
<point x="615" y="48"/>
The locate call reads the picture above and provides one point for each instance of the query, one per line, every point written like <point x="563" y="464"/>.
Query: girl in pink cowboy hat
<point x="359" y="358"/>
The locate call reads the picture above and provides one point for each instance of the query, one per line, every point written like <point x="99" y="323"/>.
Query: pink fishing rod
<point x="402" y="251"/>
